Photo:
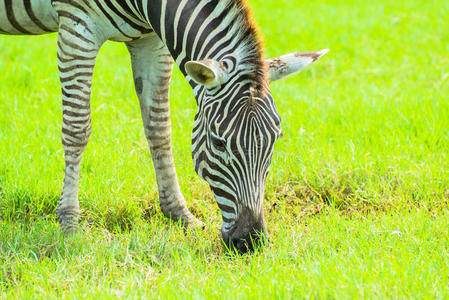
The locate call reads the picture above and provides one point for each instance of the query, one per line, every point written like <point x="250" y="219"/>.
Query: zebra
<point x="216" y="45"/>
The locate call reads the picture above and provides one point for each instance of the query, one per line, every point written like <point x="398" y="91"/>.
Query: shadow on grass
<point x="22" y="207"/>
<point x="294" y="199"/>
<point x="300" y="198"/>
<point x="20" y="204"/>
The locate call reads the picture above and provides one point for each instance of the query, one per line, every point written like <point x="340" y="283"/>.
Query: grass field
<point x="357" y="197"/>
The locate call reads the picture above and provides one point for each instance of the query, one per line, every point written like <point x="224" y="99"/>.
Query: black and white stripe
<point x="215" y="44"/>
<point x="27" y="17"/>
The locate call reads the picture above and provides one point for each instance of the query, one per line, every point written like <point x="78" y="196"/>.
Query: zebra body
<point x="27" y="17"/>
<point x="215" y="45"/>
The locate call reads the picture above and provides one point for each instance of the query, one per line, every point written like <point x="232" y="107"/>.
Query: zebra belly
<point x="122" y="27"/>
<point x="27" y="17"/>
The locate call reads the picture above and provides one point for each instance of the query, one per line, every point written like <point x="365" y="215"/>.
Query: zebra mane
<point x="251" y="49"/>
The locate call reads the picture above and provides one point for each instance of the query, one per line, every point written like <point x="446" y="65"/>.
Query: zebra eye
<point x="218" y="143"/>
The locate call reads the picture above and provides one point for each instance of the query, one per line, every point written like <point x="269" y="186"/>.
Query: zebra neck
<point x="208" y="29"/>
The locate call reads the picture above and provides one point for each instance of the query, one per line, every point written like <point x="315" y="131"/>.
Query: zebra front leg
<point x="77" y="50"/>
<point x="152" y="67"/>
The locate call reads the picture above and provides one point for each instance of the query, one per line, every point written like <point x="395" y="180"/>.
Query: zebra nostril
<point x="244" y="246"/>
<point x="240" y="245"/>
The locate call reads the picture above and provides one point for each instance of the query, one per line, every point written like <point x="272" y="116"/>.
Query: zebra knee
<point x="75" y="139"/>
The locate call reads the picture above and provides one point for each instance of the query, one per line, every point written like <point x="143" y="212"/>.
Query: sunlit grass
<point x="357" y="195"/>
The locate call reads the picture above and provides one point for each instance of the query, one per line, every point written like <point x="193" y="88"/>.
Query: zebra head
<point x="235" y="129"/>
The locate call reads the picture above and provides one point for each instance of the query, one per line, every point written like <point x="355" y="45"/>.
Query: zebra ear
<point x="209" y="73"/>
<point x="283" y="66"/>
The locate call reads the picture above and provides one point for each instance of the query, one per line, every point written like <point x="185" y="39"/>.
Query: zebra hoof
<point x="184" y="217"/>
<point x="190" y="222"/>
<point x="195" y="223"/>
<point x="68" y="229"/>
<point x="68" y="222"/>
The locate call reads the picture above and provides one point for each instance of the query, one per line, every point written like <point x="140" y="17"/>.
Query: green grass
<point x="357" y="198"/>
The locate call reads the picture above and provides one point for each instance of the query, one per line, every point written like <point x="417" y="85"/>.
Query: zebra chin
<point x="247" y="233"/>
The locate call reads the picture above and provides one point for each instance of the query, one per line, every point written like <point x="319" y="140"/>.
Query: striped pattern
<point x="237" y="123"/>
<point x="215" y="44"/>
<point x="27" y="17"/>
